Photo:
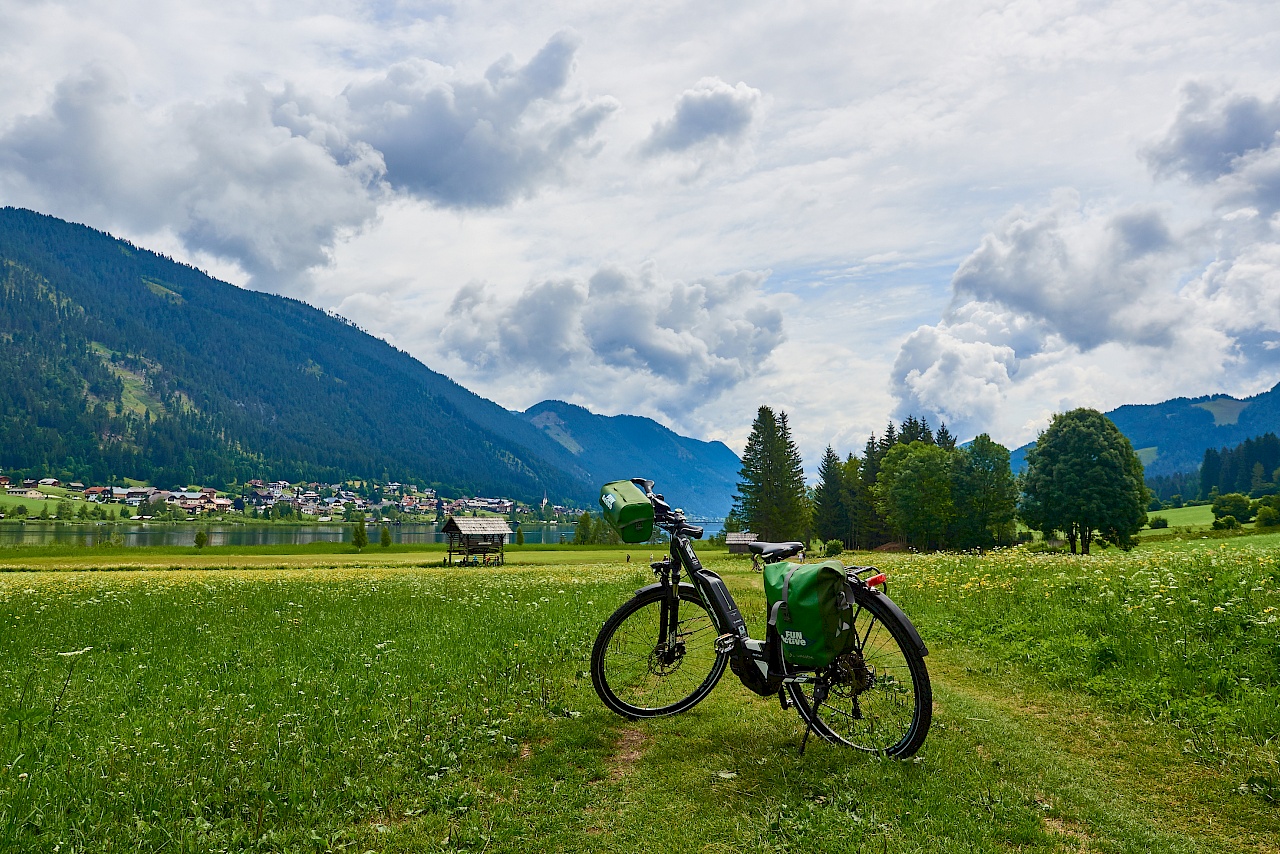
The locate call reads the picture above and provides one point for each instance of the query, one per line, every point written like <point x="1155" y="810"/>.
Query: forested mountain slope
<point x="118" y="362"/>
<point x="698" y="476"/>
<point x="1172" y="436"/>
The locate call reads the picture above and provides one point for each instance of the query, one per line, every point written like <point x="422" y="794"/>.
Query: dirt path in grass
<point x="1133" y="764"/>
<point x="1009" y="766"/>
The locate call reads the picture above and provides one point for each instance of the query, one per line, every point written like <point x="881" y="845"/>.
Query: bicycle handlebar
<point x="663" y="515"/>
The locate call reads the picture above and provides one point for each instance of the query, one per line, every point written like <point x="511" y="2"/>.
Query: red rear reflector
<point x="877" y="580"/>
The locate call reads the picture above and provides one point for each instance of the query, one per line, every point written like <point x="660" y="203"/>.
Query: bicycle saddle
<point x="774" y="551"/>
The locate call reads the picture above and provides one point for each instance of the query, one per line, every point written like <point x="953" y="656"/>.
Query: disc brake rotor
<point x="666" y="659"/>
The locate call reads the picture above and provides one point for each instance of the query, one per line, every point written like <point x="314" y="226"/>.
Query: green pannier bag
<point x="628" y="510"/>
<point x="811" y="605"/>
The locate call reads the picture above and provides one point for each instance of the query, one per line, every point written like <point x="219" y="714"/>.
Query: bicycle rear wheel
<point x="641" y="671"/>
<point x="876" y="697"/>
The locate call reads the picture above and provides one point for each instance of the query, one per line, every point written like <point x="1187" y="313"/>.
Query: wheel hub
<point x="850" y="675"/>
<point x="666" y="658"/>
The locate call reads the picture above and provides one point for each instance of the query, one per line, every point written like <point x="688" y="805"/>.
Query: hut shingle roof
<point x="476" y="525"/>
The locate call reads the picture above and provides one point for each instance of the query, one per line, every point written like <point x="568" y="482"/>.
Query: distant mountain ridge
<point x="118" y="362"/>
<point x="1172" y="436"/>
<point x="693" y="474"/>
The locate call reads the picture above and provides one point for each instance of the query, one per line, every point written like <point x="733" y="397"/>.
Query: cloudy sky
<point x="974" y="212"/>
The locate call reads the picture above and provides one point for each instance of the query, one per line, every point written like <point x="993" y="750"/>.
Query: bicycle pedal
<point x="725" y="643"/>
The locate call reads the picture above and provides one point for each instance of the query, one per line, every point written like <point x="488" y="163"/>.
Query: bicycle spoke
<point x="649" y="673"/>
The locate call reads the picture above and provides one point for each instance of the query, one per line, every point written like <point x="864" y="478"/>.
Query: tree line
<point x="917" y="486"/>
<point x="1251" y="468"/>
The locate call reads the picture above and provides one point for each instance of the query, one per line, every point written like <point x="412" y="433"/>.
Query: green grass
<point x="69" y="556"/>
<point x="33" y="505"/>
<point x="313" y="702"/>
<point x="1225" y="410"/>
<point x="1199" y="516"/>
<point x="1184" y="632"/>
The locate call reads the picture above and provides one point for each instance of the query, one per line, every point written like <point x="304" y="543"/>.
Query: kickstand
<point x="808" y="728"/>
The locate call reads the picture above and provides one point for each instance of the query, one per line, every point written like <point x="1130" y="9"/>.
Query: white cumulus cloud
<point x="477" y="143"/>
<point x="619" y="339"/>
<point x="711" y="113"/>
<point x="272" y="179"/>
<point x="229" y="177"/>
<point x="1067" y="306"/>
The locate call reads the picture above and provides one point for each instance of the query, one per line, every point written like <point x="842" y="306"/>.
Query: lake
<point x="225" y="534"/>
<point x="161" y="534"/>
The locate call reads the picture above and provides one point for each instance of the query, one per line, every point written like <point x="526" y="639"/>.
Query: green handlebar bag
<point x="628" y="510"/>
<point x="811" y="606"/>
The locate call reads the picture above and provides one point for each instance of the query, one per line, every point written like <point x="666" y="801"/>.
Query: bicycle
<point x="665" y="649"/>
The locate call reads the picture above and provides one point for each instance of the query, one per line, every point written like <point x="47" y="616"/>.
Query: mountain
<point x="117" y="362"/>
<point x="699" y="476"/>
<point x="1172" y="436"/>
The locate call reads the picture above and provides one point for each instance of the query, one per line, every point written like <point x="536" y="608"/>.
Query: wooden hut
<point x="476" y="538"/>
<point x="737" y="541"/>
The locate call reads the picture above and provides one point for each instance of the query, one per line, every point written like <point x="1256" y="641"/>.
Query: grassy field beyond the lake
<point x="325" y="703"/>
<point x="1198" y="516"/>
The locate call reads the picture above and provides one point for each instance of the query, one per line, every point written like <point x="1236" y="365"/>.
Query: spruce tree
<point x="360" y="536"/>
<point x="772" y="499"/>
<point x="944" y="438"/>
<point x="830" y="511"/>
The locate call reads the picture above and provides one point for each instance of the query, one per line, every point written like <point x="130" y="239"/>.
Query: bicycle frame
<point x="757" y="664"/>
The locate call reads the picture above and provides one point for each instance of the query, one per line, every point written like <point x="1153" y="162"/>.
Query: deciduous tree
<point x="984" y="493"/>
<point x="913" y="492"/>
<point x="582" y="533"/>
<point x="1083" y="477"/>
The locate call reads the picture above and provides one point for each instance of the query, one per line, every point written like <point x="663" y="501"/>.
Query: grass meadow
<point x="325" y="703"/>
<point x="1198" y="517"/>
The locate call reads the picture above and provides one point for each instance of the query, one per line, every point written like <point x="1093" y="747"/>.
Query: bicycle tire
<point x="632" y="671"/>
<point x="884" y="708"/>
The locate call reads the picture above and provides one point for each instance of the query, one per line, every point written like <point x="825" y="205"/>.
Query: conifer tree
<point x="360" y="536"/>
<point x="830" y="511"/>
<point x="944" y="438"/>
<point x="771" y="494"/>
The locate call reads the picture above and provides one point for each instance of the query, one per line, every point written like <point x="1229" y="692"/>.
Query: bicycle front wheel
<point x="646" y="665"/>
<point x="877" y="696"/>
